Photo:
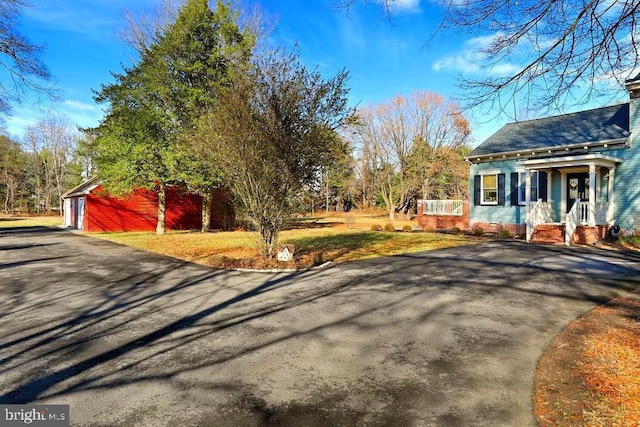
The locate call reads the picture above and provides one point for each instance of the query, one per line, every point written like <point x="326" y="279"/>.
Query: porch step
<point x="549" y="234"/>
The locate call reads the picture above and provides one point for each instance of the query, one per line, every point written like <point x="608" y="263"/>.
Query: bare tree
<point x="19" y="58"/>
<point x="404" y="142"/>
<point x="272" y="132"/>
<point x="51" y="142"/>
<point x="559" y="52"/>
<point x="141" y="31"/>
<point x="12" y="174"/>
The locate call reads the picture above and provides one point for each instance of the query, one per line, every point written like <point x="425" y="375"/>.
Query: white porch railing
<point x="583" y="212"/>
<point x="539" y="213"/>
<point x="601" y="210"/>
<point x="574" y="219"/>
<point x="441" y="207"/>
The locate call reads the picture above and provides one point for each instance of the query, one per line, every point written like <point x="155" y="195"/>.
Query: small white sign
<point x="286" y="253"/>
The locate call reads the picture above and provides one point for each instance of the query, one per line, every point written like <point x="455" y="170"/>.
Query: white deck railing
<point x="441" y="207"/>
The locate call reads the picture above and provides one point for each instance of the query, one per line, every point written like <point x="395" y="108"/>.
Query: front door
<point x="577" y="188"/>
<point x="80" y="213"/>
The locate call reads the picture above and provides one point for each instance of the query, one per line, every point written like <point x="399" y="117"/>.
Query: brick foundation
<point x="444" y="222"/>
<point x="492" y="227"/>
<point x="585" y="235"/>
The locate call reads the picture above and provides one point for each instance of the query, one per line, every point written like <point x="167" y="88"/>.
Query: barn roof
<point x="83" y="188"/>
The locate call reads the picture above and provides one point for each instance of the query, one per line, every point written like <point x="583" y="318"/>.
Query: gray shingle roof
<point x="584" y="127"/>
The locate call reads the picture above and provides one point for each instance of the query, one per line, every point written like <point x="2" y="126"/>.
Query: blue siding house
<point x="567" y="178"/>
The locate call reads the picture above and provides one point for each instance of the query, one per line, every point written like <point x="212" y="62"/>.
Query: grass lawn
<point x="30" y="221"/>
<point x="318" y="239"/>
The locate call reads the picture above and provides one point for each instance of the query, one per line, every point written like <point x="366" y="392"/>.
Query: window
<point x="522" y="187"/>
<point x="489" y="189"/>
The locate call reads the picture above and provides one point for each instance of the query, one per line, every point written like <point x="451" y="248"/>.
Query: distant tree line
<point x="51" y="157"/>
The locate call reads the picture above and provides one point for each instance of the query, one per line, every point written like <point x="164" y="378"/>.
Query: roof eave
<point x="82" y="189"/>
<point x="541" y="150"/>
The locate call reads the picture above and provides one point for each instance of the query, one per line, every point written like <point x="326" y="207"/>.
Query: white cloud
<point x="471" y="59"/>
<point x="401" y="6"/>
<point x="28" y="114"/>
<point x="81" y="106"/>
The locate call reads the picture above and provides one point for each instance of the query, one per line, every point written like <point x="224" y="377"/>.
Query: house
<point x="566" y="178"/>
<point x="90" y="208"/>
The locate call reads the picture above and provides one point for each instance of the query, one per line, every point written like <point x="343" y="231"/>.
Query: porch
<point x="580" y="205"/>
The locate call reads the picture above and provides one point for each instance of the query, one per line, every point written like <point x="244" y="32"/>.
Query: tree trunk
<point x="327" y="197"/>
<point x="207" y="198"/>
<point x="268" y="236"/>
<point x="392" y="213"/>
<point x="162" y="208"/>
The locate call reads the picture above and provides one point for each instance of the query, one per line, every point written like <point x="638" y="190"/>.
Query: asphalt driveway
<point x="448" y="337"/>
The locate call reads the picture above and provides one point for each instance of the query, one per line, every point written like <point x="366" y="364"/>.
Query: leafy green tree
<point x="154" y="104"/>
<point x="272" y="132"/>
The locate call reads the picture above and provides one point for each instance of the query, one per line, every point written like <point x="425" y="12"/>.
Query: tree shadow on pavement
<point x="124" y="326"/>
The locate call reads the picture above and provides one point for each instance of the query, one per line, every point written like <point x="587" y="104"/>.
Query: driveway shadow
<point x="91" y="316"/>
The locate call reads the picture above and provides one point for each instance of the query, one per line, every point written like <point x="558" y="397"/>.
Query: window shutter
<point x="542" y="186"/>
<point x="501" y="189"/>
<point x="476" y="190"/>
<point x="514" y="188"/>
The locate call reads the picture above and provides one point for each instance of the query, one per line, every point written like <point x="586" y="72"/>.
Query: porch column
<point x="563" y="196"/>
<point x="610" y="206"/>
<point x="527" y="192"/>
<point x="592" y="195"/>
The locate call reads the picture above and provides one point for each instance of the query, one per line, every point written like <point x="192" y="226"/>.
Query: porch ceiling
<point x="596" y="159"/>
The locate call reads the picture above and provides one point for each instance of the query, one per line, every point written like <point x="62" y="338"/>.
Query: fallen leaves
<point x="590" y="375"/>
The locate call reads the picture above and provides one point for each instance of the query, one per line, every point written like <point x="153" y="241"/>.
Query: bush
<point x="456" y="230"/>
<point x="317" y="258"/>
<point x="505" y="234"/>
<point x="407" y="228"/>
<point x="389" y="227"/>
<point x="478" y="231"/>
<point x="376" y="227"/>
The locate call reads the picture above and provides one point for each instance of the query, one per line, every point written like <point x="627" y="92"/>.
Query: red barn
<point x="89" y="207"/>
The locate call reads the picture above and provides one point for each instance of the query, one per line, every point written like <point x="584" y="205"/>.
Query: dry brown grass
<point x="317" y="239"/>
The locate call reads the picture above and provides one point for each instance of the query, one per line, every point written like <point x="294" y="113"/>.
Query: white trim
<point x="610" y="193"/>
<point x="566" y="161"/>
<point x="520" y="183"/>
<point x="490" y="172"/>
<point x="605" y="143"/>
<point x="563" y="193"/>
<point x="482" y="201"/>
<point x="592" y="195"/>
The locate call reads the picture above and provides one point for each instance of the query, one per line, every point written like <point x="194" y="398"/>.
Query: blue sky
<point x="383" y="57"/>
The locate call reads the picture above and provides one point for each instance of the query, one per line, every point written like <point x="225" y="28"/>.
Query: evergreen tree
<point x="144" y="140"/>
